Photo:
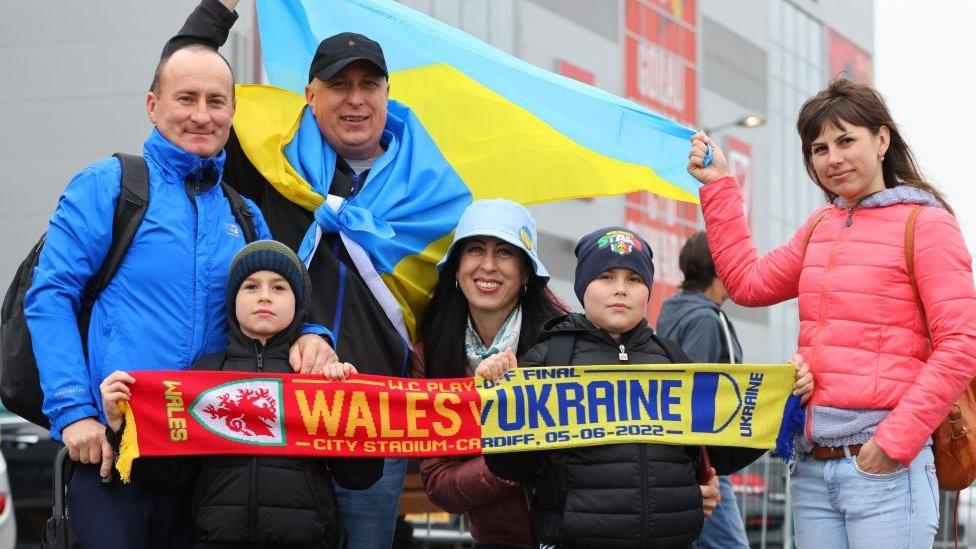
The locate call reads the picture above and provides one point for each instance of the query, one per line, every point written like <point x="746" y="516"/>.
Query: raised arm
<point x="208" y="24"/>
<point x="751" y="279"/>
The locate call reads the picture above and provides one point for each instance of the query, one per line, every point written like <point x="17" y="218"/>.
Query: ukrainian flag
<point x="498" y="127"/>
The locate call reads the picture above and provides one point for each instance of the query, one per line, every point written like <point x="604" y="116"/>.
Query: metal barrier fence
<point x="762" y="491"/>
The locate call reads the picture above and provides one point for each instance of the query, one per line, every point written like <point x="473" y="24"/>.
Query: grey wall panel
<point x="852" y="18"/>
<point x="599" y="16"/>
<point x="448" y="11"/>
<point x="502" y="25"/>
<point x="419" y="5"/>
<point x="490" y="20"/>
<point x="86" y="125"/>
<point x="75" y="76"/>
<point x="733" y="66"/>
<point x="474" y="18"/>
<point x="545" y="38"/>
<point x="748" y="17"/>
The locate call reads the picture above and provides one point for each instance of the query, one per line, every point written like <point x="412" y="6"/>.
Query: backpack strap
<point x="806" y="241"/>
<point x="910" y="259"/>
<point x="675" y="353"/>
<point x="130" y="209"/>
<point x="243" y="214"/>
<point x="560" y="351"/>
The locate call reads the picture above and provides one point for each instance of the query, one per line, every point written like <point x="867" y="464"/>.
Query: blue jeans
<point x="369" y="516"/>
<point x="836" y="504"/>
<point x="724" y="529"/>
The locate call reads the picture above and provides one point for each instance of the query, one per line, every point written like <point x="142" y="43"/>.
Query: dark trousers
<point x="128" y="516"/>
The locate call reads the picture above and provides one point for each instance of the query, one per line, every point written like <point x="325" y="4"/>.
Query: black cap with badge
<point x="337" y="51"/>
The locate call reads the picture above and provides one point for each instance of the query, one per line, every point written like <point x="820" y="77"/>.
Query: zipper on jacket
<point x="850" y="215"/>
<point x="822" y="303"/>
<point x="252" y="507"/>
<point x="622" y="355"/>
<point x="196" y="235"/>
<point x="259" y="355"/>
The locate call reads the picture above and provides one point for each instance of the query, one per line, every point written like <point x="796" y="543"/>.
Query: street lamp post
<point x="747" y="121"/>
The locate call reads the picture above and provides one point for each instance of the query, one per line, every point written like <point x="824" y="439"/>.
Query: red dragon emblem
<point x="251" y="413"/>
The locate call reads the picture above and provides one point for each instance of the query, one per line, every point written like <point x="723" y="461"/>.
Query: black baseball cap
<point x="337" y="51"/>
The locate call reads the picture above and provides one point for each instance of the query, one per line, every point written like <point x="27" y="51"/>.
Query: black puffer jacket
<point x="614" y="496"/>
<point x="246" y="501"/>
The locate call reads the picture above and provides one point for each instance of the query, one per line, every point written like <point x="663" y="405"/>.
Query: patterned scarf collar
<point x="902" y="194"/>
<point x="507" y="336"/>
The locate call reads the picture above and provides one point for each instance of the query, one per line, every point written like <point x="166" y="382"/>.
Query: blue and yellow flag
<point x="466" y="122"/>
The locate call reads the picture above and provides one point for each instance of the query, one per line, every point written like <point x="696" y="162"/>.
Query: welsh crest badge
<point x="247" y="411"/>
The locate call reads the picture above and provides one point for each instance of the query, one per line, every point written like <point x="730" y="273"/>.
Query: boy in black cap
<point x="248" y="501"/>
<point x="621" y="495"/>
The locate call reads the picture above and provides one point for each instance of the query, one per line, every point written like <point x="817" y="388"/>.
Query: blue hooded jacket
<point x="691" y="320"/>
<point x="166" y="304"/>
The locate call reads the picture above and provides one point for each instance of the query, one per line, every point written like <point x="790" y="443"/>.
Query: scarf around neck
<point x="507" y="337"/>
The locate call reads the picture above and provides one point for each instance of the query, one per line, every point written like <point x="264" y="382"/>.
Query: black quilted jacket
<point x="613" y="496"/>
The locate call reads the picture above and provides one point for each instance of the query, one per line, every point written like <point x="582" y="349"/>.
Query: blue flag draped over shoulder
<point x="480" y="124"/>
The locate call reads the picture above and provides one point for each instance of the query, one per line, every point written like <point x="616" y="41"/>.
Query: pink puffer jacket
<point x="860" y="328"/>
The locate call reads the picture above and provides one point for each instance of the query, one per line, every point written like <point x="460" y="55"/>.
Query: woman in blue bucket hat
<point x="491" y="298"/>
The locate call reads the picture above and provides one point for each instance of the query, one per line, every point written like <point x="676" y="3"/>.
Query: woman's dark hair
<point x="695" y="261"/>
<point x="846" y="101"/>
<point x="445" y="320"/>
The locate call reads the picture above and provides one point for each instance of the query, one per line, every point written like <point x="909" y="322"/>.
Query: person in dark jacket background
<point x="694" y="319"/>
<point x="623" y="495"/>
<point x="250" y="501"/>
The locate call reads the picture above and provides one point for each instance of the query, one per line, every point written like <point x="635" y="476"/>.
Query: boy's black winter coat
<point x="621" y="495"/>
<point x="247" y="501"/>
<point x="269" y="501"/>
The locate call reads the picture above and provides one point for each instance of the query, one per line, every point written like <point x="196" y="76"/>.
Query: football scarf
<point x="197" y="413"/>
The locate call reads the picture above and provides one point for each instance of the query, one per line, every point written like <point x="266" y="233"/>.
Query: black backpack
<point x="20" y="384"/>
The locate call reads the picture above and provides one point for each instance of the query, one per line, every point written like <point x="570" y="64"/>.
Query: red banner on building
<point x="844" y="56"/>
<point x="660" y="65"/>
<point x="575" y="72"/>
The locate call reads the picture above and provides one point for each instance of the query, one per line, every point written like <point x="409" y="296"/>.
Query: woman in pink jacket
<point x="888" y="361"/>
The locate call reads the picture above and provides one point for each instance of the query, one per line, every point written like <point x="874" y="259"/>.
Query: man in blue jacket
<point x="165" y="305"/>
<point x="347" y="94"/>
<point x="694" y="319"/>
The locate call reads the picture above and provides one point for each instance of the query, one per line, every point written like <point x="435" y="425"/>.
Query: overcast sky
<point x="924" y="67"/>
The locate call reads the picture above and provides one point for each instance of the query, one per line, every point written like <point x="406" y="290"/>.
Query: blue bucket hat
<point x="504" y="220"/>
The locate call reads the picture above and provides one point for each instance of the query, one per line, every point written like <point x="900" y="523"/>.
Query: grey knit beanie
<point x="268" y="255"/>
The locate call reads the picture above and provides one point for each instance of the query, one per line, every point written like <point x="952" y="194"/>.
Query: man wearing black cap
<point x="347" y="94"/>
